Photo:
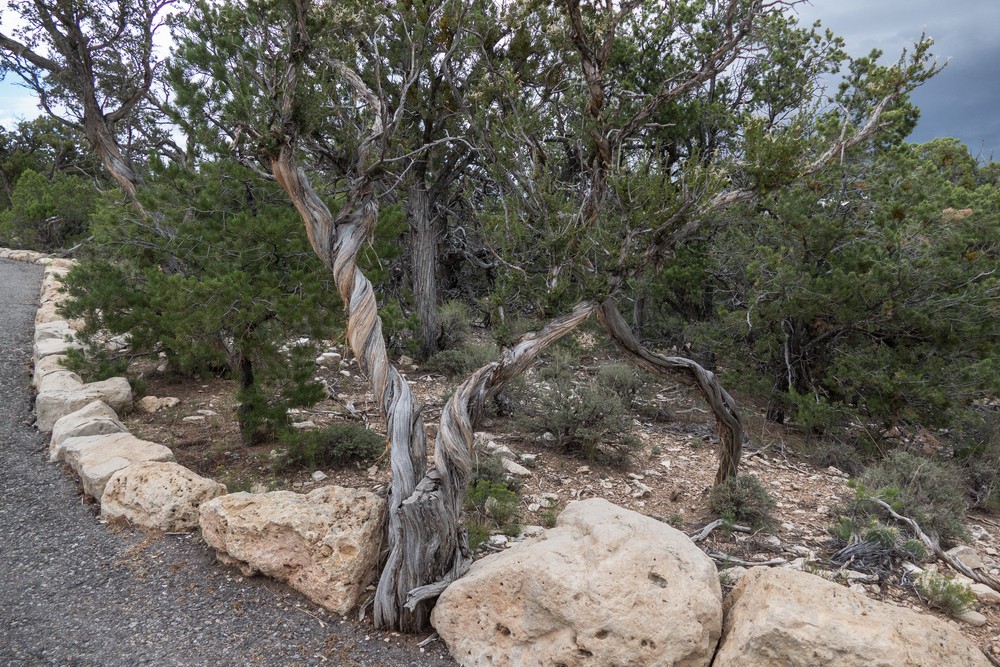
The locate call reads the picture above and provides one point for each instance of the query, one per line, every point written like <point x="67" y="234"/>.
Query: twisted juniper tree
<point x="596" y="139"/>
<point x="303" y="91"/>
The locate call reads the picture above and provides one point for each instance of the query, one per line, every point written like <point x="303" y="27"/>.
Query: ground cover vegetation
<point x="388" y="175"/>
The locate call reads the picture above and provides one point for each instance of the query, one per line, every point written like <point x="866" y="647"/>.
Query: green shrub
<point x="336" y="445"/>
<point x="952" y="597"/>
<point x="977" y="452"/>
<point x="586" y="420"/>
<point x="490" y="506"/>
<point x="930" y="492"/>
<point x="744" y="500"/>
<point x="462" y="361"/>
<point x="622" y="379"/>
<point x="456" y="323"/>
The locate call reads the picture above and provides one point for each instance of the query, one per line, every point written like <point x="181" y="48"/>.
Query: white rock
<point x="55" y="330"/>
<point x="985" y="594"/>
<point x="515" y="468"/>
<point x="305" y="425"/>
<point x="50" y="364"/>
<point x="969" y="557"/>
<point x="346" y="373"/>
<point x="795" y="619"/>
<point x="148" y="404"/>
<point x="95" y="458"/>
<point x="732" y="575"/>
<point x="60" y="381"/>
<point x="169" y="402"/>
<point x="207" y="413"/>
<point x="324" y="544"/>
<point x="95" y="418"/>
<point x="499" y="540"/>
<point x="606" y="586"/>
<point x="51" y="405"/>
<point x="49" y="346"/>
<point x="973" y="618"/>
<point x="158" y="496"/>
<point x="193" y="419"/>
<point x="318" y="476"/>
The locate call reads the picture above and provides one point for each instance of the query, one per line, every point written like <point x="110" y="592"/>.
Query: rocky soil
<point x="668" y="478"/>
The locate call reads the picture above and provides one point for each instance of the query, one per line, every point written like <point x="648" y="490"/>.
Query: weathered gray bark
<point x="425" y="235"/>
<point x="728" y="421"/>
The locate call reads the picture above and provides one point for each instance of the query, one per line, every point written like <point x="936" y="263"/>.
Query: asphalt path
<point x="74" y="593"/>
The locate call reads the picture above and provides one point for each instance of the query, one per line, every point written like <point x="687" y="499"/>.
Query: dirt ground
<point x="668" y="478"/>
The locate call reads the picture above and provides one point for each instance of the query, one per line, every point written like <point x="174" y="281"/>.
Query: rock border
<point x="139" y="481"/>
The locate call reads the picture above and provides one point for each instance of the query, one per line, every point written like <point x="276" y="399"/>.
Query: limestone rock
<point x="968" y="556"/>
<point x="50" y="364"/>
<point x="985" y="594"/>
<point x="95" y="458"/>
<point x="158" y="496"/>
<point x="49" y="346"/>
<point x="795" y="619"/>
<point x="51" y="405"/>
<point x="606" y="586"/>
<point x="515" y="468"/>
<point x="59" y="329"/>
<point x="95" y="418"/>
<point x="59" y="381"/>
<point x="323" y="544"/>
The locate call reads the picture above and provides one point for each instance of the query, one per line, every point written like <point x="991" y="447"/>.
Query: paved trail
<point x="74" y="593"/>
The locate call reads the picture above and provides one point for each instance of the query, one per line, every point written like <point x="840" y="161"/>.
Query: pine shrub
<point x="743" y="499"/>
<point x="334" y="446"/>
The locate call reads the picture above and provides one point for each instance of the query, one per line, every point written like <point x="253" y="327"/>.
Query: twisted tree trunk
<point x="727" y="416"/>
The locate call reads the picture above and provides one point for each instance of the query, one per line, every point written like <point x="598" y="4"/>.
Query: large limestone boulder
<point x="95" y="418"/>
<point x="158" y="496"/>
<point x="324" y="544"/>
<point x="606" y="586"/>
<point x="50" y="364"/>
<point x="796" y="619"/>
<point x="95" y="458"/>
<point x="51" y="405"/>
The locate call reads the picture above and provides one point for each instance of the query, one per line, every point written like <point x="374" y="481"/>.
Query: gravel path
<point x="74" y="593"/>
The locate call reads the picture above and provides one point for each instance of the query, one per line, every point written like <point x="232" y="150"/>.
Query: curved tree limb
<point x="728" y="420"/>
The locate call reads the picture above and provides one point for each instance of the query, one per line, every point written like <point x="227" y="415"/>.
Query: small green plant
<point x="336" y="445"/>
<point x="490" y="506"/>
<point x="455" y="318"/>
<point x="550" y="516"/>
<point x="744" y="500"/>
<point x="939" y="592"/>
<point x="463" y="360"/>
<point x="930" y="492"/>
<point x="585" y="419"/>
<point x="623" y="380"/>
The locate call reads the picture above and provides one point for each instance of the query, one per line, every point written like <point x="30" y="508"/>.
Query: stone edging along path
<point x="323" y="544"/>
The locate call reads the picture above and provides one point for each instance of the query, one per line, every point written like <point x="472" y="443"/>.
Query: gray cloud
<point x="963" y="101"/>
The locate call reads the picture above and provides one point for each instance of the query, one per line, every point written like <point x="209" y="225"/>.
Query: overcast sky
<point x="963" y="101"/>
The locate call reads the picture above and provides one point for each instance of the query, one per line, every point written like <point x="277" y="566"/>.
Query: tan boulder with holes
<point x="158" y="496"/>
<point x="324" y="544"/>
<point x="95" y="458"/>
<point x="95" y="418"/>
<point x="796" y="619"/>
<point x="606" y="586"/>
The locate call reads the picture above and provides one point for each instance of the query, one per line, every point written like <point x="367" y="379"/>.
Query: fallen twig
<point x="935" y="548"/>
<point x="707" y="530"/>
<point x="433" y="637"/>
<point x="726" y="558"/>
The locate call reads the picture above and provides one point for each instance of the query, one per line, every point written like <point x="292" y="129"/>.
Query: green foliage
<point x="47" y="213"/>
<point x="582" y="419"/>
<point x="940" y="592"/>
<point x="455" y="318"/>
<point x="331" y="447"/>
<point x="976" y="441"/>
<point x="461" y="361"/>
<point x="490" y="506"/>
<point x="930" y="492"/>
<point x="744" y="500"/>
<point x="224" y="282"/>
<point x="865" y="295"/>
